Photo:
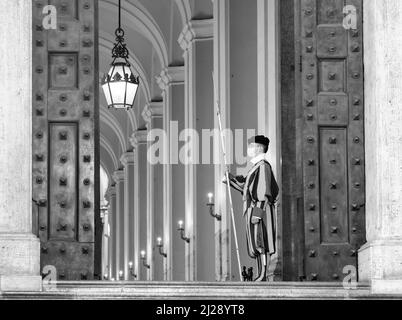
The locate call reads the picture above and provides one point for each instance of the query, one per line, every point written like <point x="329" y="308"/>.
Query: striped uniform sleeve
<point x="239" y="186"/>
<point x="264" y="183"/>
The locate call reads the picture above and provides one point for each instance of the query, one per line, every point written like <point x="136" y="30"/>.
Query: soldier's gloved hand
<point x="241" y="179"/>
<point x="224" y="179"/>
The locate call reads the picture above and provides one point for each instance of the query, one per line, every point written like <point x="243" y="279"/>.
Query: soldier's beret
<point x="260" y="140"/>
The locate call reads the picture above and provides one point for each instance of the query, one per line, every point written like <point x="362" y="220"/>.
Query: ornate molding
<point x="127" y="158"/>
<point x="196" y="30"/>
<point x="111" y="192"/>
<point x="118" y="176"/>
<point x="170" y="76"/>
<point x="152" y="110"/>
<point x="139" y="137"/>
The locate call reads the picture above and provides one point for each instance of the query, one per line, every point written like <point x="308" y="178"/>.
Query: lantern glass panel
<point x="119" y="91"/>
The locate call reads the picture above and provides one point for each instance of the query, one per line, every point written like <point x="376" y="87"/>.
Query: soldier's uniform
<point x="259" y="190"/>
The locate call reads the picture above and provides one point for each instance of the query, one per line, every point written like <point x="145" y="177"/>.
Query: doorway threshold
<point x="122" y="290"/>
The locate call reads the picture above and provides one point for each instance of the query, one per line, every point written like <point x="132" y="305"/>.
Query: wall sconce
<point x="159" y="243"/>
<point x="181" y="229"/>
<point x="121" y="275"/>
<point x="131" y="268"/>
<point x="211" y="206"/>
<point x="144" y="258"/>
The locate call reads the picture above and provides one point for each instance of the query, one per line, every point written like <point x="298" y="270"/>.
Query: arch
<point x="113" y="123"/>
<point x="105" y="144"/>
<point x="104" y="184"/>
<point x="105" y="168"/>
<point x="184" y="10"/>
<point x="139" y="15"/>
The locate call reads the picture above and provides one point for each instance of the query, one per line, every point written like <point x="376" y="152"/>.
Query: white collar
<point x="258" y="158"/>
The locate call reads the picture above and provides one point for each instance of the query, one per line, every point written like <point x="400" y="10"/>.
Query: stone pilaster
<point x="19" y="248"/>
<point x="171" y="81"/>
<point x="105" y="261"/>
<point x="111" y="213"/>
<point x="223" y="267"/>
<point x="139" y="142"/>
<point x="269" y="116"/>
<point x="196" y="40"/>
<point x="380" y="260"/>
<point x="127" y="159"/>
<point x="111" y="198"/>
<point x="152" y="115"/>
<point x="118" y="177"/>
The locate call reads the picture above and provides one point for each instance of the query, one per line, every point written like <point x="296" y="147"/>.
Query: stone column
<point x="128" y="161"/>
<point x="111" y="197"/>
<point x="118" y="177"/>
<point x="152" y="115"/>
<point x="19" y="248"/>
<point x="196" y="40"/>
<point x="105" y="246"/>
<point x="269" y="115"/>
<point x="223" y="268"/>
<point x="171" y="81"/>
<point x="380" y="260"/>
<point x="139" y="142"/>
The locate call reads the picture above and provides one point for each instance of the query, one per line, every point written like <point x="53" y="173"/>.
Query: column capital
<point x="118" y="176"/>
<point x="196" y="30"/>
<point x="127" y="158"/>
<point x="152" y="110"/>
<point x="170" y="76"/>
<point x="139" y="137"/>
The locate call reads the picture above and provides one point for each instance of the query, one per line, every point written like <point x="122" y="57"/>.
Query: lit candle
<point x="159" y="241"/>
<point x="113" y="279"/>
<point x="130" y="265"/>
<point x="143" y="254"/>
<point x="106" y="276"/>
<point x="121" y="273"/>
<point x="210" y="197"/>
<point x="181" y="225"/>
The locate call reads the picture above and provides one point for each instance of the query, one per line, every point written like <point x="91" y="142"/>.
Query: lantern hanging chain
<point x="119" y="14"/>
<point x="120" y="49"/>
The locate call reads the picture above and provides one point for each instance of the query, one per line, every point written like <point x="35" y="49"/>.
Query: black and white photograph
<point x="208" y="151"/>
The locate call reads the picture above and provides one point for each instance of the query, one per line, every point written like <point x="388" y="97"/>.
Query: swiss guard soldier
<point x="260" y="190"/>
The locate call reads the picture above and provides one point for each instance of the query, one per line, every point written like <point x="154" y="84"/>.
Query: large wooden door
<point x="333" y="135"/>
<point x="65" y="136"/>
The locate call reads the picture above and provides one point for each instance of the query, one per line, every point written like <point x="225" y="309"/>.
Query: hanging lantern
<point x="120" y="85"/>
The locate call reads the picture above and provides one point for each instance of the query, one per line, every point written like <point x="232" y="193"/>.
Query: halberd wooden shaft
<point x="227" y="177"/>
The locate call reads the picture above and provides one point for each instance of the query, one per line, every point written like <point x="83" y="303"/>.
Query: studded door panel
<point x="333" y="151"/>
<point x="64" y="135"/>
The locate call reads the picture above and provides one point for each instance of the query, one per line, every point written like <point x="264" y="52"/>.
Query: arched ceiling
<point x="135" y="18"/>
<point x="107" y="156"/>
